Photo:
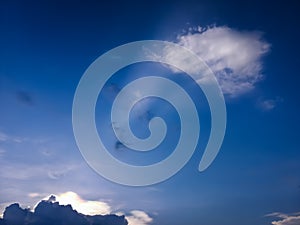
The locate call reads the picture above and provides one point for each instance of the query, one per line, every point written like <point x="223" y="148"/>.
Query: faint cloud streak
<point x="269" y="104"/>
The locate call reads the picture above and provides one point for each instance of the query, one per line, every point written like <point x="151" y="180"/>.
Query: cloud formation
<point x="70" y="208"/>
<point x="234" y="56"/>
<point x="138" y="217"/>
<point x="51" y="212"/>
<point x="83" y="206"/>
<point x="285" y="219"/>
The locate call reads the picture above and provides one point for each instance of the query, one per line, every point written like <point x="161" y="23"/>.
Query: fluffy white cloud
<point x="138" y="217"/>
<point x="83" y="206"/>
<point x="285" y="219"/>
<point x="88" y="207"/>
<point x="234" y="56"/>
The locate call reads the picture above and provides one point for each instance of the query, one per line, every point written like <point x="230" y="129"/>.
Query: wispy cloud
<point x="4" y="137"/>
<point x="234" y="56"/>
<point x="285" y="219"/>
<point x="21" y="171"/>
<point x="269" y="104"/>
<point x="35" y="195"/>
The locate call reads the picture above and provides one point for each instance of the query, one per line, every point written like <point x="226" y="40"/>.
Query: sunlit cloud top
<point x="234" y="56"/>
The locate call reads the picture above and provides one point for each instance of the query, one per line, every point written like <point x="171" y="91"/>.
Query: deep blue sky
<point x="45" y="47"/>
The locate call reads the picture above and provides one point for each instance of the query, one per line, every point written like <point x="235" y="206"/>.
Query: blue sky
<point x="253" y="49"/>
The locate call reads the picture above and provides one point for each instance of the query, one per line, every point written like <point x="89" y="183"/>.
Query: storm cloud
<point x="49" y="212"/>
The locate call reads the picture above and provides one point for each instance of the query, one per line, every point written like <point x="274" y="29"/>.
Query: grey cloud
<point x="50" y="212"/>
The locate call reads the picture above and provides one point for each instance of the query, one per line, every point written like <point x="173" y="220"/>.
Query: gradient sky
<point x="252" y="46"/>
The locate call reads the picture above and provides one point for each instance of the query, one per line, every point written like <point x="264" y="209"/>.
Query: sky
<point x="251" y="47"/>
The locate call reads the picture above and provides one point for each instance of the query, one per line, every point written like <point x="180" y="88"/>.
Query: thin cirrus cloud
<point x="234" y="56"/>
<point x="8" y="138"/>
<point x="285" y="219"/>
<point x="269" y="104"/>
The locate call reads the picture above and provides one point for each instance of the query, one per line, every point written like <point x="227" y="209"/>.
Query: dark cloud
<point x="119" y="145"/>
<point x="50" y="212"/>
<point x="25" y="97"/>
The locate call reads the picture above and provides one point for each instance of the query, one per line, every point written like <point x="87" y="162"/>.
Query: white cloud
<point x="285" y="219"/>
<point x="269" y="104"/>
<point x="234" y="56"/>
<point x="138" y="217"/>
<point x="83" y="206"/>
<point x="88" y="207"/>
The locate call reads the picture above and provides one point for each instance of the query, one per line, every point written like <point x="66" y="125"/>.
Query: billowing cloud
<point x="285" y="219"/>
<point x="138" y="217"/>
<point x="70" y="208"/>
<point x="50" y="212"/>
<point x="83" y="206"/>
<point x="234" y="56"/>
<point x="87" y="207"/>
